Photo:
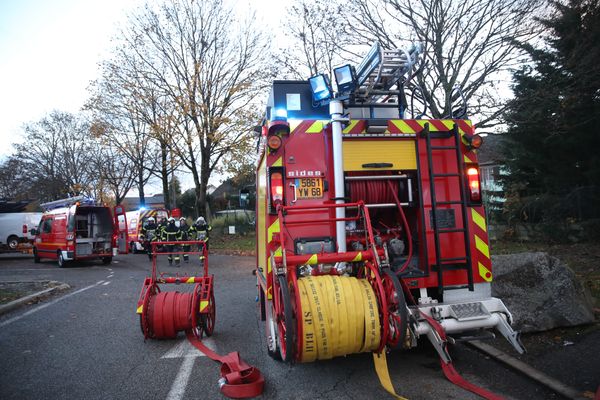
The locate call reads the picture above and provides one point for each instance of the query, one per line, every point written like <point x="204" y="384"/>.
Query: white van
<point x="15" y="228"/>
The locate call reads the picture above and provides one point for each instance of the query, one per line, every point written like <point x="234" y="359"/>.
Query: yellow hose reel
<point x="340" y="316"/>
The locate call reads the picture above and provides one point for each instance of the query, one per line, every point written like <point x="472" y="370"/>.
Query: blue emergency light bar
<point x="280" y="114"/>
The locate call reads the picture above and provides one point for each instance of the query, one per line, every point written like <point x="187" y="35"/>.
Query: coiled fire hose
<point x="340" y="316"/>
<point x="166" y="313"/>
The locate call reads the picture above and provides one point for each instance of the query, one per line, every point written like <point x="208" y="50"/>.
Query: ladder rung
<point x="444" y="175"/>
<point x="454" y="259"/>
<point x="452" y="267"/>
<point x="451" y="230"/>
<point x="445" y="203"/>
<point x="443" y="147"/>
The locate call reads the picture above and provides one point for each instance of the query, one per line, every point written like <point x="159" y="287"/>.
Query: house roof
<point x="225" y="187"/>
<point x="156" y="199"/>
<point x="10" y="206"/>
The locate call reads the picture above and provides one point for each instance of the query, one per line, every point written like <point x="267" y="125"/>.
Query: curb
<point x="8" y="307"/>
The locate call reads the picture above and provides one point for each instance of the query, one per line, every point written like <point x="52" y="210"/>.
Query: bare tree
<point x="315" y="39"/>
<point x="15" y="180"/>
<point x="209" y="65"/>
<point x="470" y="44"/>
<point x="116" y="171"/>
<point x="119" y="106"/>
<point x="57" y="154"/>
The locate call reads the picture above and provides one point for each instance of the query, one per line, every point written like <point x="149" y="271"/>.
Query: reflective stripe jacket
<point x="186" y="232"/>
<point x="201" y="231"/>
<point x="150" y="232"/>
<point x="170" y="233"/>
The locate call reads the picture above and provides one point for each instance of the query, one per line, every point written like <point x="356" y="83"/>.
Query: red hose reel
<point x="165" y="314"/>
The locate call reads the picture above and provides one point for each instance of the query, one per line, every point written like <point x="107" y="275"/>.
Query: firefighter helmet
<point x="171" y="219"/>
<point x="151" y="220"/>
<point x="200" y="221"/>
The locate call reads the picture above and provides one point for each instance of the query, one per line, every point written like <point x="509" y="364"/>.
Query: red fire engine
<point x="370" y="226"/>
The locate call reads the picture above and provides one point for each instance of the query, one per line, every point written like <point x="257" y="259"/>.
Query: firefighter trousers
<point x="148" y="248"/>
<point x="170" y="249"/>
<point x="186" y="248"/>
<point x="201" y="256"/>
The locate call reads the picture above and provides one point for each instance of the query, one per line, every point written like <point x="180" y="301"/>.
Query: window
<point x="47" y="226"/>
<point x="71" y="225"/>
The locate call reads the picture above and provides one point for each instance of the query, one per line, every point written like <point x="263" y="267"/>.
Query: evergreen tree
<point x="552" y="144"/>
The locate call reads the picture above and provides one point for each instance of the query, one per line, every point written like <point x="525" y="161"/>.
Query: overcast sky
<point x="49" y="52"/>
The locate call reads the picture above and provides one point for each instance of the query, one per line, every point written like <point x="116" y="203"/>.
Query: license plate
<point x="309" y="188"/>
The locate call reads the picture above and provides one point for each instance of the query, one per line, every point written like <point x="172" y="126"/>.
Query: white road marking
<point x="41" y="307"/>
<point x="184" y="349"/>
<point x="181" y="380"/>
<point x="110" y="276"/>
<point x="106" y="283"/>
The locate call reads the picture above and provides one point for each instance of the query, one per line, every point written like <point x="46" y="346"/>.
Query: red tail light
<point x="473" y="182"/>
<point x="24" y="229"/>
<point x="276" y="188"/>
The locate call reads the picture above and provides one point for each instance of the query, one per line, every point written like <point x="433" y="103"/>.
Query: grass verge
<point x="241" y="245"/>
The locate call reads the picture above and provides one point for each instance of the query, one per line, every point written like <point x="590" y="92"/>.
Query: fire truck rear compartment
<point x="379" y="191"/>
<point x="93" y="230"/>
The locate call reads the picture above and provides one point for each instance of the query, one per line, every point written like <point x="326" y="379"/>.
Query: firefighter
<point x="201" y="230"/>
<point x="148" y="234"/>
<point x="185" y="234"/>
<point x="170" y="233"/>
<point x="162" y="224"/>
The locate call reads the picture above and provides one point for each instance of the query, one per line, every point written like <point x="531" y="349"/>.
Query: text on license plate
<point x="309" y="188"/>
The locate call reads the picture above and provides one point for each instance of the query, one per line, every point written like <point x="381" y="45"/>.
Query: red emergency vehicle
<point x="136" y="220"/>
<point x="76" y="229"/>
<point x="370" y="226"/>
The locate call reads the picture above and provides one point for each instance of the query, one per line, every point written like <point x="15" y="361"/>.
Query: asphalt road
<point x="86" y="344"/>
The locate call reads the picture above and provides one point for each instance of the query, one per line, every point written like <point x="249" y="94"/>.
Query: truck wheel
<point x="36" y="258"/>
<point x="61" y="261"/>
<point x="271" y="331"/>
<point x="106" y="260"/>
<point x="12" y="242"/>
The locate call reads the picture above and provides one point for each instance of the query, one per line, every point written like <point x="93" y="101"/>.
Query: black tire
<point x="36" y="257"/>
<point x="12" y="242"/>
<point x="286" y="344"/>
<point x="61" y="261"/>
<point x="132" y="248"/>
<point x="106" y="260"/>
